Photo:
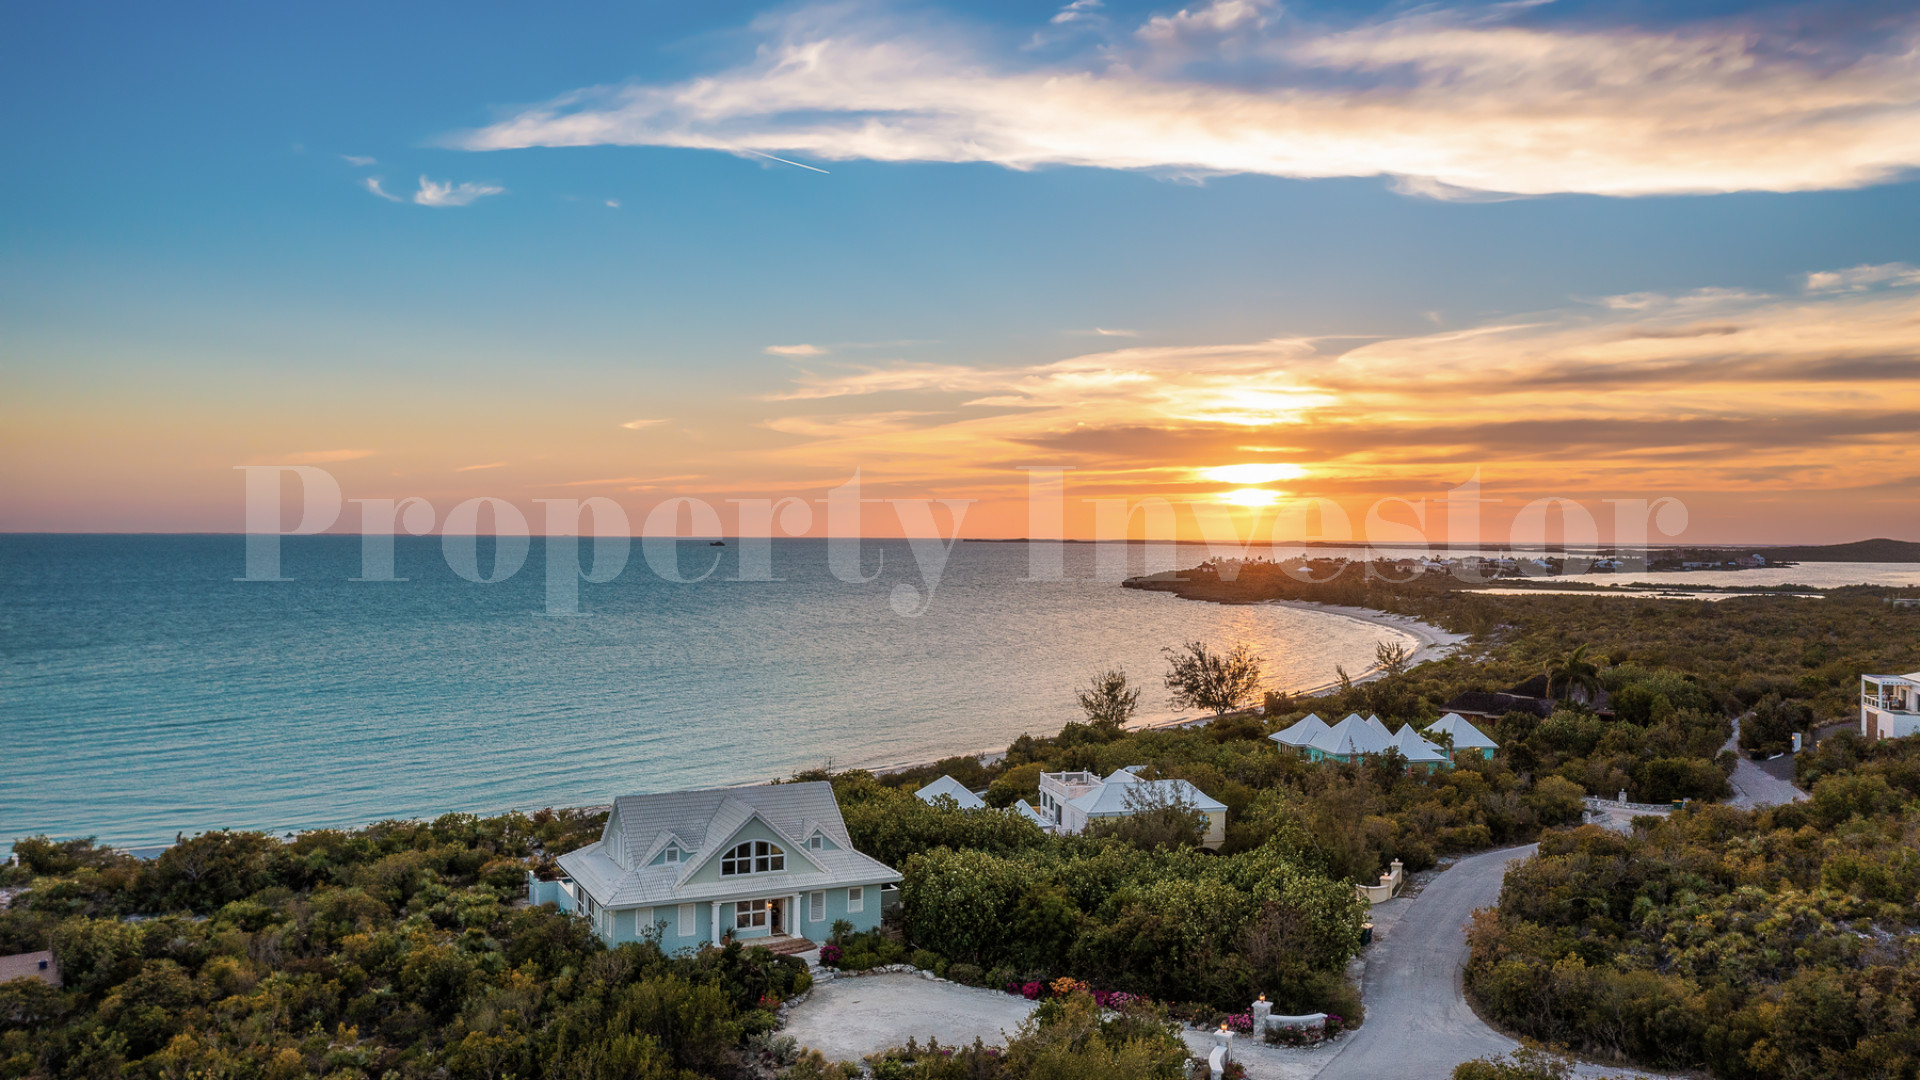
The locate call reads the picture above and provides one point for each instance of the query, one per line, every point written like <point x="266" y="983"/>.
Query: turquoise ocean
<point x="144" y="692"/>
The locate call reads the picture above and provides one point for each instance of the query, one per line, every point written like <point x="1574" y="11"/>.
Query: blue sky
<point x="189" y="258"/>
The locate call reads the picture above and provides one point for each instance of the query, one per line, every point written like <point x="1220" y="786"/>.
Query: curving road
<point x="1418" y="1023"/>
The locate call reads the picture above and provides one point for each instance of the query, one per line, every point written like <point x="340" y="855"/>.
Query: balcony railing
<point x="1892" y="705"/>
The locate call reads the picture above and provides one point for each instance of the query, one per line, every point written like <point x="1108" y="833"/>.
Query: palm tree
<point x="1571" y="672"/>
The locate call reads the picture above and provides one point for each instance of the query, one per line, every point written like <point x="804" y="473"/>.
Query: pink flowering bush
<point x="829" y="955"/>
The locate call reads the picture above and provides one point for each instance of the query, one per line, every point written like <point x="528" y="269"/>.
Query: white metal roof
<point x="1113" y="800"/>
<point x="1351" y="736"/>
<point x="615" y="869"/>
<point x="1301" y="731"/>
<point x="1416" y="749"/>
<point x="953" y="789"/>
<point x="1465" y="735"/>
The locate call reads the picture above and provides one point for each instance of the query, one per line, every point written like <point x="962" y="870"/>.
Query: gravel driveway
<point x="847" y="1019"/>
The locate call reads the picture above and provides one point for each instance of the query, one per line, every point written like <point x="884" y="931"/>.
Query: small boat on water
<point x="717" y="543"/>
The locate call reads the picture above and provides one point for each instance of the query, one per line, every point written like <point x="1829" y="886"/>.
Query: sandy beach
<point x="1432" y="643"/>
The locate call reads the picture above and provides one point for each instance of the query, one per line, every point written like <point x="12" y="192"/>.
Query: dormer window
<point x="817" y="842"/>
<point x="753" y="857"/>
<point x="671" y="855"/>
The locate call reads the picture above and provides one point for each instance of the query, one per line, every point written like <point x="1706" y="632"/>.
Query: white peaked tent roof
<point x="1300" y="732"/>
<point x="1373" y="721"/>
<point x="1416" y="749"/>
<point x="1465" y="735"/>
<point x="1352" y="736"/>
<point x="952" y="788"/>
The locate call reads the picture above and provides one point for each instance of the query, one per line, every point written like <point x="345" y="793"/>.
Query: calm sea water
<point x="143" y="692"/>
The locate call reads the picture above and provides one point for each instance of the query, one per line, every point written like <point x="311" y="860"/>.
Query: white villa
<point x="1889" y="706"/>
<point x="772" y="865"/>
<point x="1073" y="800"/>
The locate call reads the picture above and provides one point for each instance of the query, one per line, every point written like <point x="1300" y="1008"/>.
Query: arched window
<point x="753" y="857"/>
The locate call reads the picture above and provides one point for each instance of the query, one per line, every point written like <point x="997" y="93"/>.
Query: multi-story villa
<point x="1889" y="706"/>
<point x="1071" y="801"/>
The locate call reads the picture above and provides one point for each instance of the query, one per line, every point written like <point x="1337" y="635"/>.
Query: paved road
<point x="1754" y="786"/>
<point x="1418" y="1023"/>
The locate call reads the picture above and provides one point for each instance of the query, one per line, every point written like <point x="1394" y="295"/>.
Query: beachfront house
<point x="1359" y="737"/>
<point x="1418" y="751"/>
<point x="1300" y="732"/>
<point x="1071" y="801"/>
<point x="770" y="865"/>
<point x="948" y="787"/>
<point x="1889" y="706"/>
<point x="1465" y="738"/>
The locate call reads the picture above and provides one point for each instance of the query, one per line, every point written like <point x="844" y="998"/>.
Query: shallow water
<point x="143" y="692"/>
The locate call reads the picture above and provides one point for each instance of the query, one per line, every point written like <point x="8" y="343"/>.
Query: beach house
<point x="1464" y="738"/>
<point x="948" y="787"/>
<point x="1071" y="801"/>
<point x="771" y="865"/>
<point x="1359" y="737"/>
<point x="1889" y="706"/>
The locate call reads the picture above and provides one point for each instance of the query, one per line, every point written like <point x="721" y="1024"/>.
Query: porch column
<point x="716" y="924"/>
<point x="795" y="926"/>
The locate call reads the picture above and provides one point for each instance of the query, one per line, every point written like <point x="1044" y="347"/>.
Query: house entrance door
<point x="779" y="909"/>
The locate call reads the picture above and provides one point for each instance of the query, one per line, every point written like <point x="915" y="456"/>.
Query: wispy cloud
<point x="357" y="161"/>
<point x="1682" y="392"/>
<point x="321" y="457"/>
<point x="636" y="425"/>
<point x="1105" y="332"/>
<point x="373" y="185"/>
<point x="1455" y="103"/>
<point x="477" y="468"/>
<point x="449" y="193"/>
<point x="613" y="204"/>
<point x="1861" y="278"/>
<point x="795" y="350"/>
<point x="1077" y="11"/>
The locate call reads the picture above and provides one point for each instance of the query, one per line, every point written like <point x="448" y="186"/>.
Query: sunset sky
<point x="640" y="250"/>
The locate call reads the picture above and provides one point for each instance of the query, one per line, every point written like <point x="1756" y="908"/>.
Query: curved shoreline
<point x="1432" y="643"/>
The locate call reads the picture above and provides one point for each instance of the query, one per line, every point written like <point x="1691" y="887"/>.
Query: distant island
<point x="1876" y="550"/>
<point x="1719" y="557"/>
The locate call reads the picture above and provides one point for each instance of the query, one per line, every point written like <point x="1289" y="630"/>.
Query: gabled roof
<point x="1416" y="749"/>
<point x="1112" y="799"/>
<point x="1352" y="736"/>
<point x="1465" y="735"/>
<point x="614" y="869"/>
<point x="954" y="790"/>
<point x="732" y="816"/>
<point x="1124" y="775"/>
<point x="1301" y="731"/>
<point x="1025" y="809"/>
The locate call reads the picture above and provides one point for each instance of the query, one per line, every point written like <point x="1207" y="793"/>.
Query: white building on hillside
<point x="1074" y="800"/>
<point x="1889" y="706"/>
<point x="953" y="789"/>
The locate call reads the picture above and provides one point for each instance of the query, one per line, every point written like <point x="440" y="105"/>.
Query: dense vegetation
<point x="1776" y="943"/>
<point x="387" y="952"/>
